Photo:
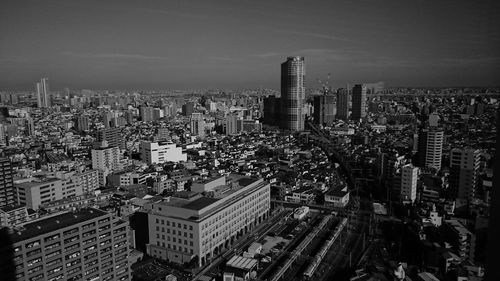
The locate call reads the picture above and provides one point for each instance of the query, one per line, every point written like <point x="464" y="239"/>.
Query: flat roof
<point x="47" y="225"/>
<point x="200" y="203"/>
<point x="31" y="184"/>
<point x="242" y="263"/>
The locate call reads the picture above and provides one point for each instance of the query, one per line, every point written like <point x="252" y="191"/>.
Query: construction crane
<point x="326" y="88"/>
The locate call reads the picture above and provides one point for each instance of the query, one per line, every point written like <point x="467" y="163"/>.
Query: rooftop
<point x="54" y="223"/>
<point x="242" y="263"/>
<point x="200" y="203"/>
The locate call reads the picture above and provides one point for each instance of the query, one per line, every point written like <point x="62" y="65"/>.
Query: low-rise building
<point x="190" y="226"/>
<point x="337" y="197"/>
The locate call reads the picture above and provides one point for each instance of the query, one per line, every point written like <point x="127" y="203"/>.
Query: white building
<point x="161" y="152"/>
<point x="106" y="160"/>
<point x="35" y="192"/>
<point x="409" y="178"/>
<point x="339" y="198"/>
<point x="190" y="226"/>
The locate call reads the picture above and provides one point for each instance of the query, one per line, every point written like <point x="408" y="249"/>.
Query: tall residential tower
<point x="292" y="94"/>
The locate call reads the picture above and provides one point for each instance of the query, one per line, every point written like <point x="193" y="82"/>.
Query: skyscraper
<point x="324" y="109"/>
<point x="42" y="93"/>
<point x="358" y="102"/>
<point x="430" y="147"/>
<point x="146" y="113"/>
<point x="464" y="172"/>
<point x="292" y="94"/>
<point x="343" y="104"/>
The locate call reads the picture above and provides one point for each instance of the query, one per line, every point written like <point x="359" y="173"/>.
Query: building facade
<point x="42" y="93"/>
<point x="343" y="104"/>
<point x="358" y="102"/>
<point x="196" y="228"/>
<point x="88" y="244"/>
<point x="409" y="178"/>
<point x="161" y="152"/>
<point x="8" y="195"/>
<point x="464" y="172"/>
<point x="292" y="94"/>
<point x="324" y="109"/>
<point x="430" y="147"/>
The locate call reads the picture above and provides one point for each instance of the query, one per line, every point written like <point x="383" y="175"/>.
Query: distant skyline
<point x="153" y="45"/>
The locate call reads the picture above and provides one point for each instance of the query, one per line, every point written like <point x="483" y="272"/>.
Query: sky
<point x="186" y="44"/>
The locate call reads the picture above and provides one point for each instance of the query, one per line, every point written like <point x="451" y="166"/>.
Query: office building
<point x="343" y="104"/>
<point x="358" y="102"/>
<point x="43" y="93"/>
<point x="113" y="137"/>
<point x="34" y="192"/>
<point x="464" y="172"/>
<point x="192" y="226"/>
<point x="272" y="110"/>
<point x="161" y="152"/>
<point x="146" y="114"/>
<point x="88" y="244"/>
<point x="197" y="125"/>
<point x="292" y="94"/>
<point x="8" y="195"/>
<point x="430" y="147"/>
<point x="409" y="178"/>
<point x="231" y="124"/>
<point x="324" y="110"/>
<point x="187" y="109"/>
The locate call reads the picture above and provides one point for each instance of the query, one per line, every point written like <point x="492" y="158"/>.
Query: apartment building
<point x="193" y="226"/>
<point x="89" y="244"/>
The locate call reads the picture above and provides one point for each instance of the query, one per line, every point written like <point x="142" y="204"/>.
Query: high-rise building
<point x="464" y="172"/>
<point x="358" y="102"/>
<point x="107" y="118"/>
<point x="430" y="147"/>
<point x="161" y="152"/>
<point x="146" y="113"/>
<point x="29" y="127"/>
<point x="8" y="195"/>
<point x="106" y="160"/>
<point x="191" y="226"/>
<point x="113" y="137"/>
<point x="272" y="110"/>
<point x="43" y="93"/>
<point x="292" y="94"/>
<point x="343" y="104"/>
<point x="324" y="109"/>
<point x="88" y="244"/>
<point x="231" y="124"/>
<point x="82" y="123"/>
<point x="187" y="109"/>
<point x="409" y="177"/>
<point x="197" y="125"/>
